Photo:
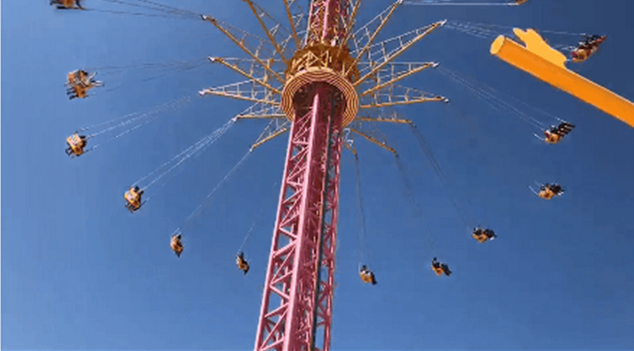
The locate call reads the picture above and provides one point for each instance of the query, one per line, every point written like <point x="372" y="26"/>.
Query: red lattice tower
<point x="320" y="99"/>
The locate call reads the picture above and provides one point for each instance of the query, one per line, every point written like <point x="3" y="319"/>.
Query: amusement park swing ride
<point x="321" y="79"/>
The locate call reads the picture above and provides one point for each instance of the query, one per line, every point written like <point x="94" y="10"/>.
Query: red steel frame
<point x="296" y="312"/>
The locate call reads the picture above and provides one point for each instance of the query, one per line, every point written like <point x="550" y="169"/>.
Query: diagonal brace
<point x="374" y="141"/>
<point x="242" y="72"/>
<point x="412" y="69"/>
<point x="420" y="34"/>
<point x="241" y="45"/>
<point x="384" y="18"/>
<point x="266" y="30"/>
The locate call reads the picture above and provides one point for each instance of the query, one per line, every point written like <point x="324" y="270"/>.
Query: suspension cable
<point x="361" y="222"/>
<point x="443" y="178"/>
<point x="447" y="3"/>
<point x="246" y="238"/>
<point x="209" y="196"/>
<point x="166" y="10"/>
<point x="490" y="96"/>
<point x="197" y="148"/>
<point x="409" y="194"/>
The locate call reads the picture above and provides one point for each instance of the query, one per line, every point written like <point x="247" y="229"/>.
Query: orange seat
<point x="480" y="238"/>
<point x="438" y="270"/>
<point x="76" y="144"/>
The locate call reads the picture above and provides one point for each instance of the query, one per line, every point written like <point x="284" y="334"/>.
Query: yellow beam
<point x="410" y="71"/>
<point x="384" y="21"/>
<point x="547" y="64"/>
<point x="269" y="138"/>
<point x="402" y="48"/>
<point x="354" y="151"/>
<point x="266" y="29"/>
<point x="237" y="97"/>
<point x="404" y="102"/>
<point x="254" y="116"/>
<point x="240" y="44"/>
<point x="242" y="72"/>
<point x="290" y="20"/>
<point x="351" y="21"/>
<point x="382" y="119"/>
<point x="373" y="140"/>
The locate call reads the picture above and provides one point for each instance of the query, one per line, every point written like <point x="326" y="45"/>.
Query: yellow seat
<point x="546" y="194"/>
<point x="80" y="82"/>
<point x="366" y="277"/>
<point x="438" y="270"/>
<point x="243" y="265"/>
<point x="133" y="200"/>
<point x="480" y="238"/>
<point x="580" y="55"/>
<point x="177" y="245"/>
<point x="76" y="144"/>
<point x="551" y="138"/>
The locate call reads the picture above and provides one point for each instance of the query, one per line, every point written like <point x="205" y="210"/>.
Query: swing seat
<point x="80" y="91"/>
<point x="177" y="248"/>
<point x="366" y="277"/>
<point x="546" y="194"/>
<point x="438" y="270"/>
<point x="552" y="138"/>
<point x="243" y="265"/>
<point x="177" y="245"/>
<point x="480" y="238"/>
<point x="69" y="4"/>
<point x="76" y="144"/>
<point x="133" y="200"/>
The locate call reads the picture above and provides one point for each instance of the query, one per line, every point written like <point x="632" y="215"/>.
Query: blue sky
<point x="80" y="272"/>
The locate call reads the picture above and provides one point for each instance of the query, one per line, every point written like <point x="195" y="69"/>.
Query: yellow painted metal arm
<point x="270" y="137"/>
<point x="351" y="21"/>
<point x="547" y="64"/>
<point x="265" y="28"/>
<point x="228" y="63"/>
<point x="274" y="129"/>
<point x="373" y="140"/>
<point x="383" y="18"/>
<point x="242" y="91"/>
<point x="382" y="119"/>
<point x="292" y="22"/>
<point x="253" y="116"/>
<point x="237" y="96"/>
<point x="353" y="150"/>
<point x="227" y="30"/>
<point x="397" y="95"/>
<point x="410" y="69"/>
<point x="403" y="45"/>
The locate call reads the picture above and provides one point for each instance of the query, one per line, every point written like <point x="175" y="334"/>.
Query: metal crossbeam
<point x="295" y="16"/>
<point x="262" y="111"/>
<point x="246" y="90"/>
<point x="388" y="50"/>
<point x="275" y="128"/>
<point x="351" y="21"/>
<point x="374" y="140"/>
<point x="248" y="72"/>
<point x="396" y="72"/>
<point x="270" y="31"/>
<point x="365" y="35"/>
<point x="399" y="95"/>
<point x="239" y="37"/>
<point x="383" y="116"/>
